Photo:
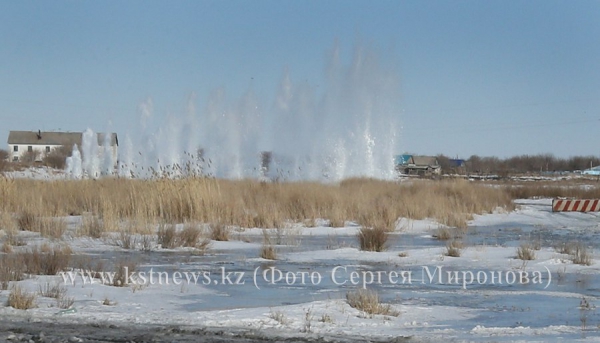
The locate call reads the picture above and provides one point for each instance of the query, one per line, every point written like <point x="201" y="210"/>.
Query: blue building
<point x="592" y="171"/>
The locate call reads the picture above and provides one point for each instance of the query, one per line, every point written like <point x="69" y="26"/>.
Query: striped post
<point x="576" y="205"/>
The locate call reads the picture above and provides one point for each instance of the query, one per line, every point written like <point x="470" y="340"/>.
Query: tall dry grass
<point x="367" y="300"/>
<point x="250" y="203"/>
<point x="372" y="239"/>
<point x="567" y="189"/>
<point x="45" y="260"/>
<point x="12" y="268"/>
<point x="20" y="299"/>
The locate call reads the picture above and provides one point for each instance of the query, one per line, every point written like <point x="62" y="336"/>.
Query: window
<point x="47" y="149"/>
<point x="29" y="148"/>
<point x="16" y="148"/>
<point x="16" y="158"/>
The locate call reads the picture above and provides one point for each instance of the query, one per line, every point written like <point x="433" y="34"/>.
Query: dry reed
<point x="453" y="248"/>
<point x="368" y="301"/>
<point x="526" y="252"/>
<point x="20" y="299"/>
<point x="372" y="239"/>
<point x="249" y="203"/>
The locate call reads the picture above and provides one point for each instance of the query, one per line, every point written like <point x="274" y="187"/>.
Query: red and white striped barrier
<point x="576" y="205"/>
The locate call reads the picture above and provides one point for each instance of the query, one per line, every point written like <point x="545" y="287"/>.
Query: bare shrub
<point x="57" y="157"/>
<point x="38" y="262"/>
<point x="65" y="302"/>
<point x="308" y="318"/>
<point x="567" y="248"/>
<point x="372" y="239"/>
<point x="20" y="299"/>
<point x="30" y="157"/>
<point x="147" y="242"/>
<point x="11" y="269"/>
<point x="443" y="234"/>
<point x="108" y="302"/>
<point x="56" y="260"/>
<point x="219" y="232"/>
<point x="268" y="251"/>
<point x="453" y="248"/>
<point x="325" y="318"/>
<point x="190" y="235"/>
<point x="125" y="239"/>
<point x="52" y="290"/>
<point x="526" y="252"/>
<point x="279" y="317"/>
<point x="581" y="255"/>
<point x="167" y="236"/>
<point x="368" y="301"/>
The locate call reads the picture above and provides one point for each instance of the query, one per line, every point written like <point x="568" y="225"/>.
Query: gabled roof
<point x="425" y="161"/>
<point x="54" y="138"/>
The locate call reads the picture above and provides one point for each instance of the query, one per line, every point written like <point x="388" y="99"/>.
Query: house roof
<point x="402" y="159"/>
<point x="425" y="161"/>
<point x="54" y="138"/>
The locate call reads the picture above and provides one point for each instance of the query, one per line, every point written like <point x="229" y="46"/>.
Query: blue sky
<point x="476" y="77"/>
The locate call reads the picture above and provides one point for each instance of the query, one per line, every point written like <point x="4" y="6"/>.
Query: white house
<point x="38" y="144"/>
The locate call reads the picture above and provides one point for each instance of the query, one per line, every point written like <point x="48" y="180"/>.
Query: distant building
<point x="418" y="165"/>
<point x="592" y="171"/>
<point x="457" y="163"/>
<point x="39" y="144"/>
<point x="457" y="166"/>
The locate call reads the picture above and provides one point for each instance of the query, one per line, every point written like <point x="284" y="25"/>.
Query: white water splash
<point x="344" y="128"/>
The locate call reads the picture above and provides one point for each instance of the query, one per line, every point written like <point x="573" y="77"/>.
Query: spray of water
<point x="346" y="129"/>
<point x="73" y="165"/>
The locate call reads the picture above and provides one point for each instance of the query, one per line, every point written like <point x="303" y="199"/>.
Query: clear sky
<point x="477" y="77"/>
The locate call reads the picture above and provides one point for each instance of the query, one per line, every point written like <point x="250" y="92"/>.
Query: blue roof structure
<point x="402" y="159"/>
<point x="455" y="162"/>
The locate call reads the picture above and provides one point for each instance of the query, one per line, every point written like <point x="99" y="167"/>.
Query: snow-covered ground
<point x="486" y="294"/>
<point x="36" y="173"/>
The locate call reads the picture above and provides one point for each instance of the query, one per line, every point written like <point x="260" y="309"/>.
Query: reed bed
<point x="547" y="190"/>
<point x="250" y="203"/>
